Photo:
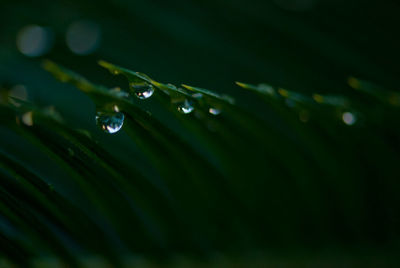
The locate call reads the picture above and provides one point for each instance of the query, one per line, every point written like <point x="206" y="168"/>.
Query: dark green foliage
<point x="302" y="170"/>
<point x="227" y="182"/>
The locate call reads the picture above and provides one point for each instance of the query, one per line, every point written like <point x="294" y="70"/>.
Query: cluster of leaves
<point x="202" y="183"/>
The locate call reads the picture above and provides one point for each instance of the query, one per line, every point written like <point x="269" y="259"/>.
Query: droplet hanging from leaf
<point x="185" y="107"/>
<point x="110" y="122"/>
<point x="142" y="90"/>
<point x="27" y="118"/>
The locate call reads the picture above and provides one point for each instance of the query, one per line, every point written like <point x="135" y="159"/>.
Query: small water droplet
<point x="142" y="90"/>
<point x="171" y="85"/>
<point x="110" y="122"/>
<point x="214" y="111"/>
<point x="197" y="96"/>
<point x="349" y="118"/>
<point x="185" y="107"/>
<point x="27" y="119"/>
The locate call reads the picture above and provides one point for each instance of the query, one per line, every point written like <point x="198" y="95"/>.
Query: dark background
<point x="306" y="45"/>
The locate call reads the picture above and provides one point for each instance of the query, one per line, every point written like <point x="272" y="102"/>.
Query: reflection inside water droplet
<point x="115" y="108"/>
<point x="214" y="111"/>
<point x="110" y="122"/>
<point x="185" y="107"/>
<point x="142" y="90"/>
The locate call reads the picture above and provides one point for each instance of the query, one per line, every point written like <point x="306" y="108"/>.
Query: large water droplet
<point x="110" y="122"/>
<point x="185" y="107"/>
<point x="142" y="90"/>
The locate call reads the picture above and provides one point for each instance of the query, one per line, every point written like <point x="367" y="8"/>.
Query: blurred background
<point x="306" y="46"/>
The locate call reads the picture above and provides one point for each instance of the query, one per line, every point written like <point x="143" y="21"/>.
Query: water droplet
<point x="115" y="108"/>
<point x="27" y="119"/>
<point x="110" y="122"/>
<point x="171" y="85"/>
<point x="266" y="89"/>
<point x="185" y="107"/>
<point x="142" y="90"/>
<point x="197" y="96"/>
<point x="349" y="118"/>
<point x="214" y="111"/>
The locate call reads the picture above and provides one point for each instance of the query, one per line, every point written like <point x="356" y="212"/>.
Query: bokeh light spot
<point x="34" y="41"/>
<point x="83" y="37"/>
